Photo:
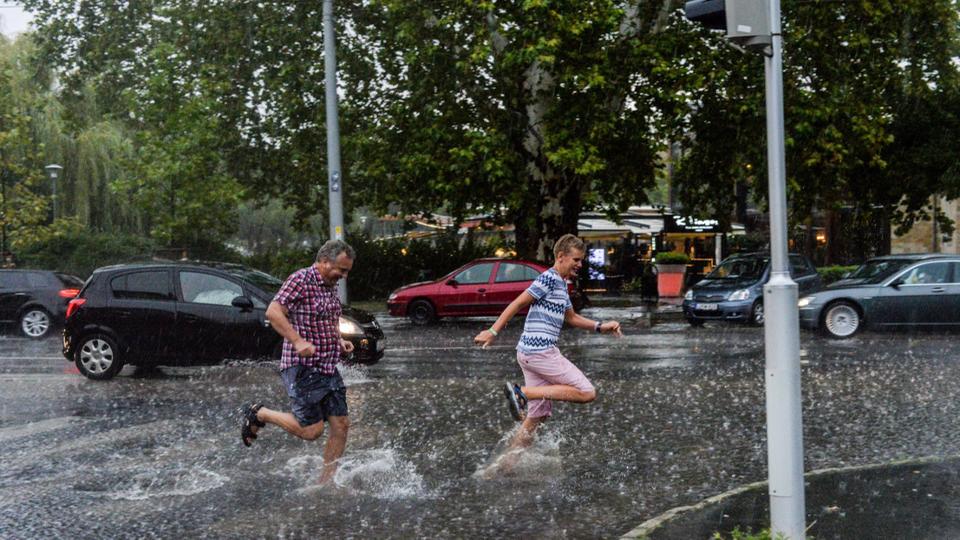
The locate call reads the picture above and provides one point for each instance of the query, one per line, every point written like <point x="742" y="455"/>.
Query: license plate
<point x="707" y="307"/>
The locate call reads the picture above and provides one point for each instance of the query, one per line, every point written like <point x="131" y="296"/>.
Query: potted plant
<point x="671" y="268"/>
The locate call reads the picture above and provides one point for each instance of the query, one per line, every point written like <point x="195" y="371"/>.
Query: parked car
<point x="185" y="314"/>
<point x="480" y="287"/>
<point x="35" y="300"/>
<point x="894" y="290"/>
<point x="733" y="291"/>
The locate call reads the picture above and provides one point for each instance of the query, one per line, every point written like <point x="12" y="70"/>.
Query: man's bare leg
<point x="289" y="424"/>
<point x="336" y="443"/>
<point x="521" y="440"/>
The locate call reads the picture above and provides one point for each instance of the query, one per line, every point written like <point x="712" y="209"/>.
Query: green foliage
<point x="79" y="252"/>
<point x="752" y="241"/>
<point x="737" y="534"/>
<point x="672" y="257"/>
<point x="383" y="265"/>
<point x="829" y="274"/>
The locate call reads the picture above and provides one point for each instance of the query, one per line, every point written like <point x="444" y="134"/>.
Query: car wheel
<point x="841" y="320"/>
<point x="421" y="312"/>
<point x="757" y="314"/>
<point x="98" y="357"/>
<point x="696" y="323"/>
<point x="35" y="323"/>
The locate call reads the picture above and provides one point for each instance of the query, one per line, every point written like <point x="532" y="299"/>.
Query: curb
<point x="645" y="529"/>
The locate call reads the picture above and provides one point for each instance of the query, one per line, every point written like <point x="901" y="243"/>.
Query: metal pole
<point x="781" y="328"/>
<point x="333" y="134"/>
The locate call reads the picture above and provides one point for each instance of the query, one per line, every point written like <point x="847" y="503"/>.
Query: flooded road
<point x="679" y="417"/>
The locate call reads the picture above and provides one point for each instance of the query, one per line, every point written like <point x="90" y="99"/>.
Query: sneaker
<point x="516" y="401"/>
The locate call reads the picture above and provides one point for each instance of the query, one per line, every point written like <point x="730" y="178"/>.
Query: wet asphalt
<point x="679" y="417"/>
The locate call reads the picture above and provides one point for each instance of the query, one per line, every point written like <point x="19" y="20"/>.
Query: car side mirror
<point x="242" y="302"/>
<point x="896" y="283"/>
<point x="452" y="282"/>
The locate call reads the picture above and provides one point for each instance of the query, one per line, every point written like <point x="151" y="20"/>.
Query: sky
<point x="13" y="19"/>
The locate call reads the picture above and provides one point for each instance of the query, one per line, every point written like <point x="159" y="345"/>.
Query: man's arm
<point x="279" y="320"/>
<point x="486" y="337"/>
<point x="576" y="320"/>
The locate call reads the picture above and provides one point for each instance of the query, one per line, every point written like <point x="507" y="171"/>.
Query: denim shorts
<point x="313" y="395"/>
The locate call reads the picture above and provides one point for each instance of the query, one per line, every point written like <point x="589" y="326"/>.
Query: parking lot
<point x="679" y="417"/>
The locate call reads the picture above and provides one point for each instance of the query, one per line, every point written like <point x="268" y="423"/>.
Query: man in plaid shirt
<point x="306" y="312"/>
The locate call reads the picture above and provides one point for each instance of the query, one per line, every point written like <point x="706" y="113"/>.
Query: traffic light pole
<point x="334" y="178"/>
<point x="781" y="327"/>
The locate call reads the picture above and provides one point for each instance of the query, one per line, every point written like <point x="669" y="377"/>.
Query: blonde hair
<point x="566" y="243"/>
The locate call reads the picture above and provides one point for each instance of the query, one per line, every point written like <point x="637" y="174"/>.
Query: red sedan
<point x="480" y="287"/>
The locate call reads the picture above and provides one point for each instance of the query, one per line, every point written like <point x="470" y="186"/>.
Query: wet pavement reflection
<point x="679" y="417"/>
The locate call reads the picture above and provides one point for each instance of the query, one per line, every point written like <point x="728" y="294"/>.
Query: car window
<point x="202" y="288"/>
<point x="799" y="267"/>
<point x="739" y="268"/>
<point x="875" y="271"/>
<point x="515" y="272"/>
<point x="13" y="280"/>
<point x="478" y="273"/>
<point x="926" y="274"/>
<point x="38" y="280"/>
<point x="149" y="285"/>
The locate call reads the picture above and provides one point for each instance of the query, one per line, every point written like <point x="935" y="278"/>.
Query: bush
<point x="672" y="257"/>
<point x="81" y="252"/>
<point x="829" y="274"/>
<point x="384" y="265"/>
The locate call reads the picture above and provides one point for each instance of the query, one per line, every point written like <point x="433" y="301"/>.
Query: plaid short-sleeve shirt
<point x="313" y="309"/>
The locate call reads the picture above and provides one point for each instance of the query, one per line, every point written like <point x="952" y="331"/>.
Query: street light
<point x="53" y="171"/>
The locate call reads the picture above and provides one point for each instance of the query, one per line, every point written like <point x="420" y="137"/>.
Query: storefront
<point x="700" y="239"/>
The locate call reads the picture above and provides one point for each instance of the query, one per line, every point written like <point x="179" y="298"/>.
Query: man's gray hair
<point x="333" y="248"/>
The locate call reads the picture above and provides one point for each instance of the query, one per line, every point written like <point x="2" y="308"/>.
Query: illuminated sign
<point x="687" y="224"/>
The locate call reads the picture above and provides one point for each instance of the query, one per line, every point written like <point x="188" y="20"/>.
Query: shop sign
<point x="687" y="224"/>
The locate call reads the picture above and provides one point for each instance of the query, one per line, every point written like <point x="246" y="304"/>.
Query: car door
<point x="468" y="290"/>
<point x="510" y="280"/>
<point x="13" y="294"/>
<point x="921" y="295"/>
<point x="142" y="312"/>
<point x="209" y="326"/>
<point x="258" y="336"/>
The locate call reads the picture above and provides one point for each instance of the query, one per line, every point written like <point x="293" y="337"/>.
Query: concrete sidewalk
<point x="638" y="308"/>
<point x="917" y="500"/>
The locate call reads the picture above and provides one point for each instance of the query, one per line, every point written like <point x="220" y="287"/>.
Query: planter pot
<point x="670" y="279"/>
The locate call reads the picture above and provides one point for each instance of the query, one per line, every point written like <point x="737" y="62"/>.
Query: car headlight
<point x="392" y="297"/>
<point x="805" y="301"/>
<point x="689" y="295"/>
<point x="742" y="294"/>
<point x="349" y="327"/>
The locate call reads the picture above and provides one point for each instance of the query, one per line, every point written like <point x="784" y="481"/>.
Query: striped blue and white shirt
<point x="545" y="318"/>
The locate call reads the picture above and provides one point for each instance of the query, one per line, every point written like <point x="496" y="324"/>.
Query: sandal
<point x="248" y="419"/>
<point x="516" y="400"/>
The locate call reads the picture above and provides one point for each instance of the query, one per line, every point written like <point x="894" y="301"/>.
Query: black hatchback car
<point x="35" y="300"/>
<point x="185" y="314"/>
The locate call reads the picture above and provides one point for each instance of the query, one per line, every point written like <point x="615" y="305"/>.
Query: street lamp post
<point x="53" y="172"/>
<point x="334" y="179"/>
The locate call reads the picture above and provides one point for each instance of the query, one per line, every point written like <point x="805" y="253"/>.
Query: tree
<point x="854" y="75"/>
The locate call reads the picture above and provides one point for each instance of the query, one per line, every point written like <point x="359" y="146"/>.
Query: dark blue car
<point x="733" y="291"/>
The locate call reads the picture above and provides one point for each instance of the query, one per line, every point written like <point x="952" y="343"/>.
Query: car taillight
<point x="74" y="305"/>
<point x="68" y="293"/>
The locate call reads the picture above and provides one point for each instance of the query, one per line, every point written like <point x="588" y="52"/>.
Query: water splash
<point x="354" y="374"/>
<point x="540" y="462"/>
<point x="379" y="473"/>
<point x="179" y="482"/>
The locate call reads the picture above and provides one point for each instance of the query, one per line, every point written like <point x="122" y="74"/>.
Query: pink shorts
<point x="548" y="367"/>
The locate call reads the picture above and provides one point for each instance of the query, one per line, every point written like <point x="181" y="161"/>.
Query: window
<point x="798" y="266"/>
<point x="479" y="273"/>
<point x="927" y="274"/>
<point x="13" y="280"/>
<point x="201" y="288"/>
<point x="150" y="285"/>
<point x="515" y="272"/>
